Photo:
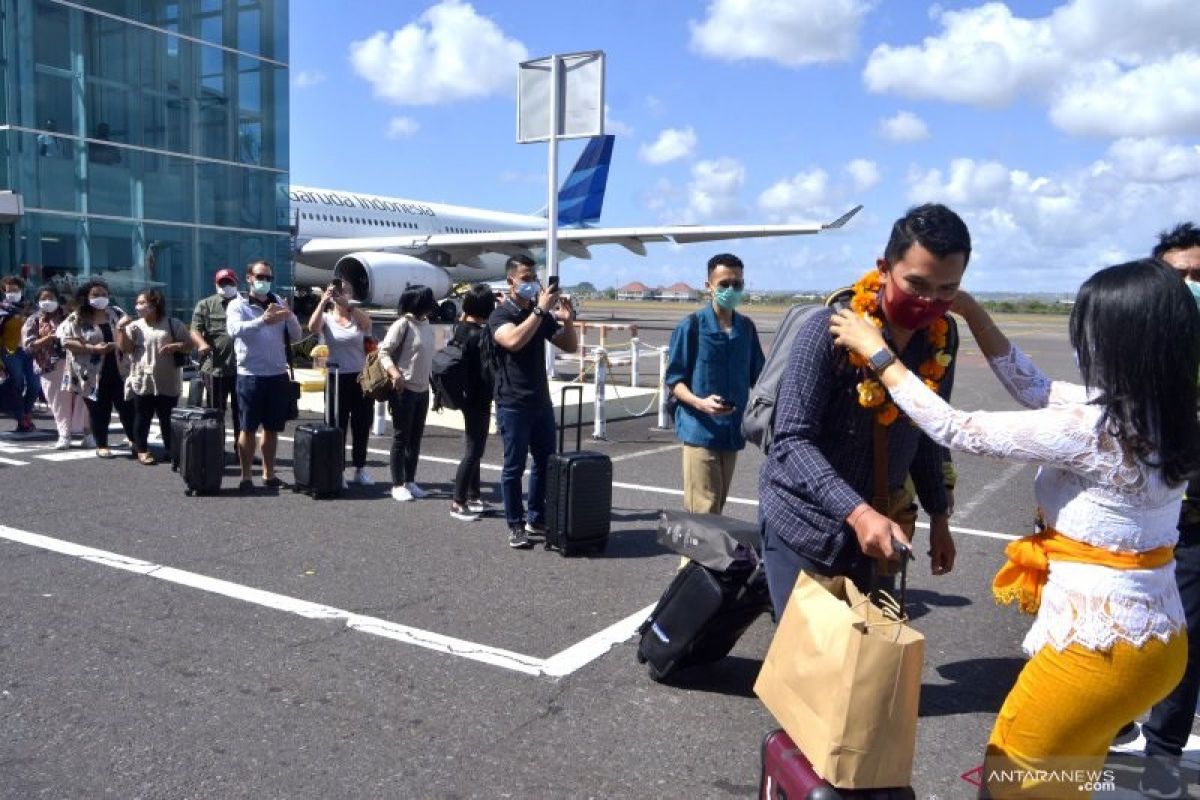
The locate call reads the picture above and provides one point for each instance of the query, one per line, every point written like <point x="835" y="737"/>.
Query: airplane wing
<point x="462" y="247"/>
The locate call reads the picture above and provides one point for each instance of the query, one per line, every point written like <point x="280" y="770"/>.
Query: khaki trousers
<point x="706" y="478"/>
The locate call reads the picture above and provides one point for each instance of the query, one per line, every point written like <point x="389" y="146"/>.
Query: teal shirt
<point x="710" y="360"/>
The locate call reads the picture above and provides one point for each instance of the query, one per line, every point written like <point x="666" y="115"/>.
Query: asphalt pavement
<point x="274" y="646"/>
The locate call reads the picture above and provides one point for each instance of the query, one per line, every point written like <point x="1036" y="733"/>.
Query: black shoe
<point x="1161" y="778"/>
<point x="275" y="482"/>
<point x="517" y="539"/>
<point x="1127" y="735"/>
<point x="246" y="486"/>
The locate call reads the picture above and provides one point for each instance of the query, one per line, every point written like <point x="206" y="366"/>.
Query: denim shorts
<point x="263" y="401"/>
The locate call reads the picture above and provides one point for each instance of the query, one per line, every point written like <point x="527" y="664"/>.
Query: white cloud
<point x="1102" y="67"/>
<point x="1162" y="98"/>
<point x="905" y="126"/>
<point x="615" y="126"/>
<point x="714" y="188"/>
<point x="449" y="53"/>
<point x="304" y="78"/>
<point x="1034" y="232"/>
<point x="793" y="33"/>
<point x="864" y="173"/>
<point x="399" y="127"/>
<point x="671" y="144"/>
<point x="797" y="195"/>
<point x="1154" y="160"/>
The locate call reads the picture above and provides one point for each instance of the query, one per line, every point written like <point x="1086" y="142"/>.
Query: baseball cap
<point x="225" y="274"/>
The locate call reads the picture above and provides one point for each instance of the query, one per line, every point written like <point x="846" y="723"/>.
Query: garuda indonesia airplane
<point x="381" y="245"/>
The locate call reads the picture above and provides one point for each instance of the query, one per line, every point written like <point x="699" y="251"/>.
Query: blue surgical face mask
<point x="1195" y="287"/>
<point x="261" y="288"/>
<point x="728" y="298"/>
<point x="528" y="290"/>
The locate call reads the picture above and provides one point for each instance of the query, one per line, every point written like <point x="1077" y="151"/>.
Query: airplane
<point x="381" y="245"/>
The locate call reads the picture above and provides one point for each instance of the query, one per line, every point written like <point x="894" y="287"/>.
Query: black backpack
<point x="450" y="377"/>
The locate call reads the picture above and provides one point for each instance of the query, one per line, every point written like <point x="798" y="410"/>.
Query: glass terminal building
<point x="144" y="142"/>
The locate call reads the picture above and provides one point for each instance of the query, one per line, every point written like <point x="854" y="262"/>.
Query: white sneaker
<point x="416" y="491"/>
<point x="345" y="486"/>
<point x="478" y="506"/>
<point x="401" y="494"/>
<point x="362" y="477"/>
<point x="88" y="442"/>
<point x="63" y="443"/>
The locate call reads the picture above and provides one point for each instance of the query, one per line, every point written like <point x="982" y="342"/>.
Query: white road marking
<point x="569" y="660"/>
<point x="650" y="452"/>
<point x="987" y="491"/>
<point x="68" y="455"/>
<point x="12" y="462"/>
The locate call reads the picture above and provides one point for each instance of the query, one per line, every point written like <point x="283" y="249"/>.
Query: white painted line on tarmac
<point x="12" y="462"/>
<point x="596" y="645"/>
<point x="650" y="452"/>
<point x="564" y="663"/>
<point x="68" y="455"/>
<point x="977" y="498"/>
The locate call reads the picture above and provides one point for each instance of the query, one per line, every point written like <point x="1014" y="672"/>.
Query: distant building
<point x="635" y="291"/>
<point x="679" y="293"/>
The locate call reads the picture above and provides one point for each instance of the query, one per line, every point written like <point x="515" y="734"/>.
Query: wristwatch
<point x="538" y="311"/>
<point x="881" y="360"/>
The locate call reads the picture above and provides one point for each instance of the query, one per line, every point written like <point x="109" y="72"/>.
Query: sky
<point x="1066" y="135"/>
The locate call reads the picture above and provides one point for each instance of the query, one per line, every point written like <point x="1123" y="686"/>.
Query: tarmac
<point x="270" y="645"/>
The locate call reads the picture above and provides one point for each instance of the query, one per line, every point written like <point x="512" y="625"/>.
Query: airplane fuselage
<point x="333" y="214"/>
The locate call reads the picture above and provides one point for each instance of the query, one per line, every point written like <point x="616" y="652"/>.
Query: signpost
<point x="558" y="97"/>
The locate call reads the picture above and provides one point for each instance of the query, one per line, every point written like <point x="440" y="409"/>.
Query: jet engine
<point x="380" y="278"/>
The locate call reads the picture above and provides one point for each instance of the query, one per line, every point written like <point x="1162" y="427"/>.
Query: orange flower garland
<point x="871" y="393"/>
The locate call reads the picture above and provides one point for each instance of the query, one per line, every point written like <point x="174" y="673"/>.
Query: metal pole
<point x="599" y="423"/>
<point x="379" y="426"/>
<point x="552" y="190"/>
<point x="635" y="356"/>
<point x="663" y="423"/>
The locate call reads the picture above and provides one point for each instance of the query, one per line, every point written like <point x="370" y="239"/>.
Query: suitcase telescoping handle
<point x="337" y="389"/>
<point x="905" y="554"/>
<point x="562" y="418"/>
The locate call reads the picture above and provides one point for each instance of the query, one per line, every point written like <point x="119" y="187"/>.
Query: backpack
<point x="449" y="378"/>
<point x="374" y="380"/>
<point x="758" y="421"/>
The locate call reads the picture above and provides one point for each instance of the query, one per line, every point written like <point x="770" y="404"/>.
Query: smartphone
<point x="552" y="283"/>
<point x="724" y="403"/>
<point x="336" y="283"/>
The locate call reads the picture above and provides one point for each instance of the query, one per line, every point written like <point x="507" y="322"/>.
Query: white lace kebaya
<point x="1087" y="489"/>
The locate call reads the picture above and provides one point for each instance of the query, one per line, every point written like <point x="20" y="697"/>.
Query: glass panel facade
<point x="144" y="156"/>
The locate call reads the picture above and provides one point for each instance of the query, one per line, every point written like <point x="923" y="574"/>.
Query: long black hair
<point x="1136" y="330"/>
<point x="417" y="300"/>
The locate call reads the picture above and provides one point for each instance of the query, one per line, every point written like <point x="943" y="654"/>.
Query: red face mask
<point x="909" y="311"/>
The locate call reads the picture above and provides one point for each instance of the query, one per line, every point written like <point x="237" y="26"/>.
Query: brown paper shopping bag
<point x="844" y="680"/>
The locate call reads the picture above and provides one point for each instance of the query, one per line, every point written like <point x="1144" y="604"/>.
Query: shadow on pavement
<point x="920" y="602"/>
<point x="977" y="686"/>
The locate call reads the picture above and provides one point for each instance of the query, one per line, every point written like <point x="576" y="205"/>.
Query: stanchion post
<point x="599" y="426"/>
<point x="582" y="327"/>
<point x="635" y="372"/>
<point x="664" y="423"/>
<point x="379" y="425"/>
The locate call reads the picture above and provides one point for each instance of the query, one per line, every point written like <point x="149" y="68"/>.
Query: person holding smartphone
<point x="715" y="357"/>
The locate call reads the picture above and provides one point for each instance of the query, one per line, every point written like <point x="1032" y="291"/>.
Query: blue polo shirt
<point x="710" y="360"/>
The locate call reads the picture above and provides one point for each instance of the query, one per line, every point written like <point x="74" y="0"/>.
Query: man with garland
<point x="818" y="479"/>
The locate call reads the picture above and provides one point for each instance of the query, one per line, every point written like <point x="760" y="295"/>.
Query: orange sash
<point x="1022" y="577"/>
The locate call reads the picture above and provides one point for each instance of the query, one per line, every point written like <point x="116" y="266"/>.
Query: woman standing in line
<point x="478" y="305"/>
<point x="39" y="337"/>
<point x="1109" y="638"/>
<point x="153" y="340"/>
<point x="96" y="369"/>
<point x="342" y="329"/>
<point x="406" y="352"/>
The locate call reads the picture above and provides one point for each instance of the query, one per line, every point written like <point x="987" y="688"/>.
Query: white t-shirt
<point x="345" y="344"/>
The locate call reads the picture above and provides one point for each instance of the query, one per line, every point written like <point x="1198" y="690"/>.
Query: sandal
<point x="146" y="459"/>
<point x="103" y="452"/>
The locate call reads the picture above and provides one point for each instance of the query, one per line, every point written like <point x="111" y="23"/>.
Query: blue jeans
<point x="524" y="431"/>
<point x="25" y="388"/>
<point x="783" y="566"/>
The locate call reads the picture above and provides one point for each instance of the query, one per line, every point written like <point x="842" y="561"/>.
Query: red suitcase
<point x="787" y="775"/>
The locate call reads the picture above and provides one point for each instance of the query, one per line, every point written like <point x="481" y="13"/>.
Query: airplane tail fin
<point x="581" y="196"/>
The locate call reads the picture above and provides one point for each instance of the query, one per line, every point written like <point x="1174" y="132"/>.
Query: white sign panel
<point x="580" y="97"/>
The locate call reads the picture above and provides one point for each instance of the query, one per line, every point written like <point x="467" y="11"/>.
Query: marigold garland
<point x="871" y="393"/>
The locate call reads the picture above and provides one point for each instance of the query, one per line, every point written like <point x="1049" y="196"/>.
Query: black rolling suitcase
<point x="701" y="616"/>
<point x="578" y="492"/>
<point x="319" y="453"/>
<point x="198" y="448"/>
